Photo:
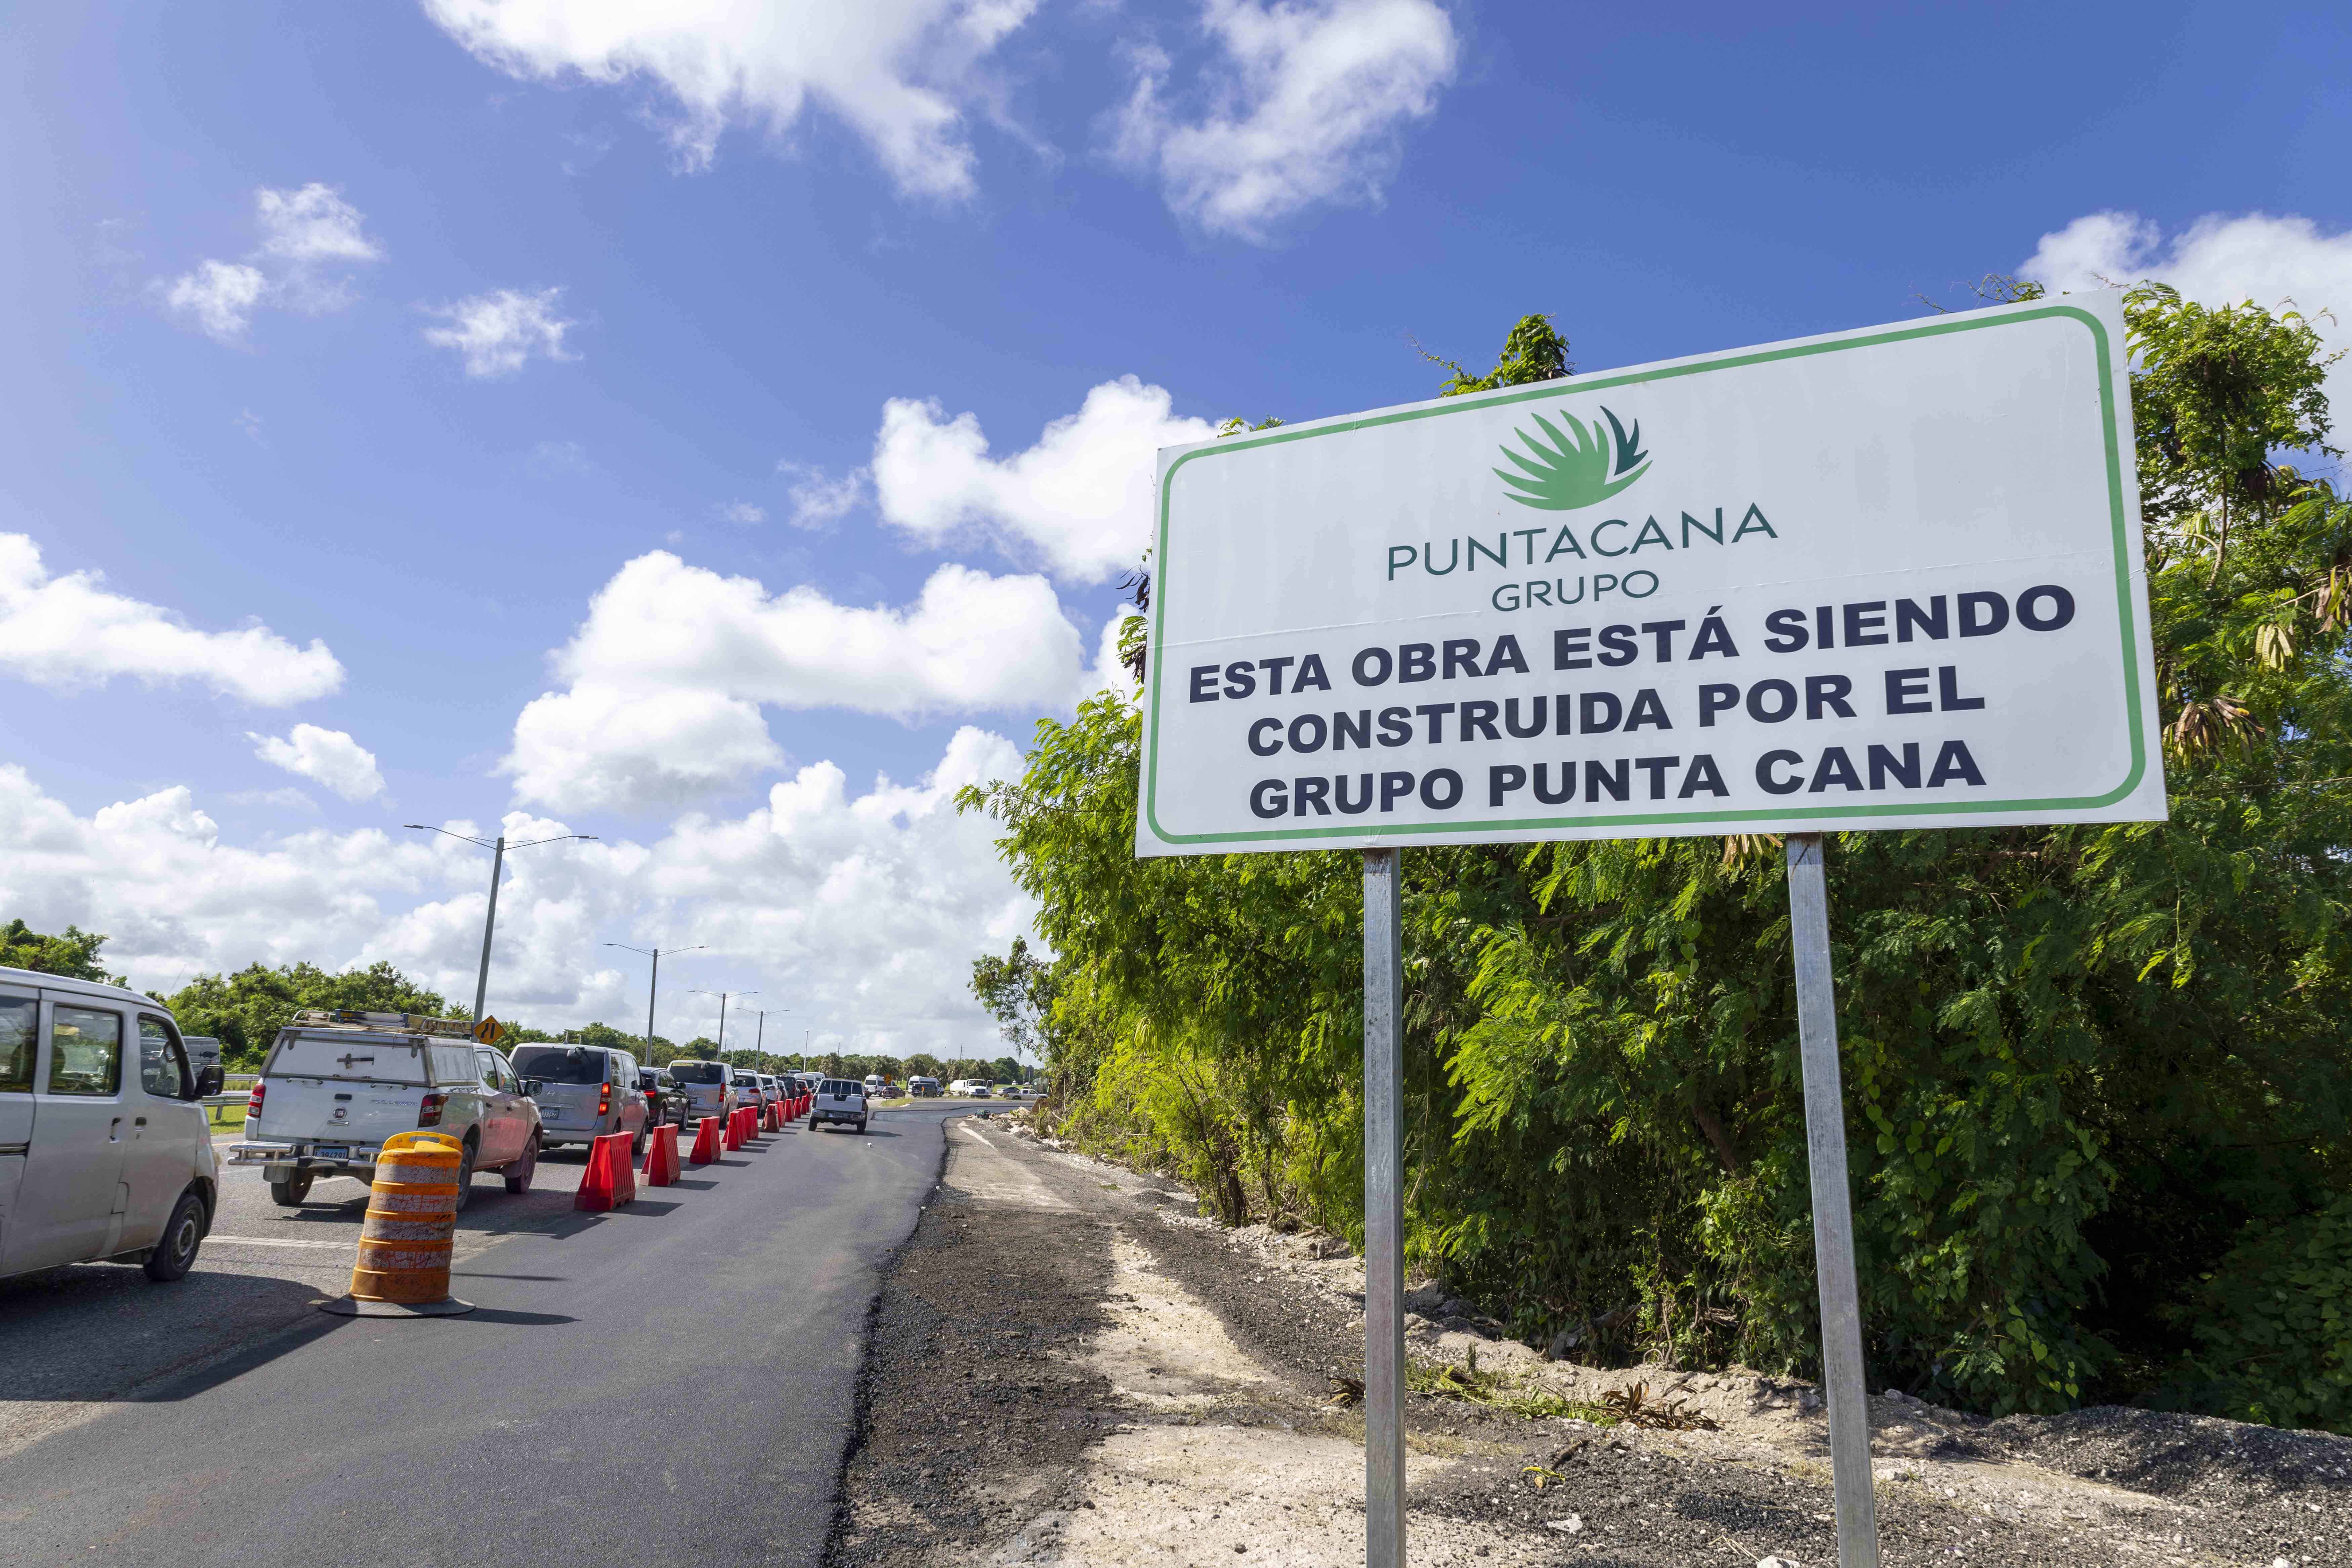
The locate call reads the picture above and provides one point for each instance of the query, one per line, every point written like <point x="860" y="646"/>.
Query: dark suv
<point x="662" y="1097"/>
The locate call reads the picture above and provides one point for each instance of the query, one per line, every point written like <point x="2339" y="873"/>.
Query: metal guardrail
<point x="239" y="1095"/>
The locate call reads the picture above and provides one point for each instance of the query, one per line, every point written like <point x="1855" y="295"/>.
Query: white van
<point x="105" y="1153"/>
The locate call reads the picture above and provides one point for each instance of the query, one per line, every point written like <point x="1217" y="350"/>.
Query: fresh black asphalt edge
<point x="861" y="1408"/>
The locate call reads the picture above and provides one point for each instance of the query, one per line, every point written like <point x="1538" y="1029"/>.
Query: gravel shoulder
<point x="1066" y="1365"/>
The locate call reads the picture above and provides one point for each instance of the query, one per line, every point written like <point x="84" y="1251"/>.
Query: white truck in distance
<point x="336" y="1085"/>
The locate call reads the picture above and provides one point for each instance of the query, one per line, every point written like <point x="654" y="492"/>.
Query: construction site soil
<point x="1068" y="1365"/>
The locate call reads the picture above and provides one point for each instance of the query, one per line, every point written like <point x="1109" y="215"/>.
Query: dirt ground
<point x="1069" y="1366"/>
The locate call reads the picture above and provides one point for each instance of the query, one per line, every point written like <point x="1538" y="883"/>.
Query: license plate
<point x="332" y="1151"/>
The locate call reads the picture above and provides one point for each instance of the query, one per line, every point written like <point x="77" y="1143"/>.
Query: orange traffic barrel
<point x="403" y="1270"/>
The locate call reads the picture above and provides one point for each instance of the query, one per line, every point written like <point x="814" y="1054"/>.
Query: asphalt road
<point x="672" y="1378"/>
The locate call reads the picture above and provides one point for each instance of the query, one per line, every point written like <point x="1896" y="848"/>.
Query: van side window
<point x="162" y="1070"/>
<point x="17" y="1015"/>
<point x="85" y="1051"/>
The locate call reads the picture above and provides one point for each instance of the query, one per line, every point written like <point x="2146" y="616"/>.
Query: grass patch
<point x="1446" y="1381"/>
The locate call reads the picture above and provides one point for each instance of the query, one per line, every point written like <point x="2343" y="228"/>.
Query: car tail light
<point x="429" y="1110"/>
<point x="604" y="1100"/>
<point x="253" y="1100"/>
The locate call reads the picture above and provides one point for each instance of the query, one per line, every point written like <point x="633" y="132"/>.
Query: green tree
<point x="1018" y="991"/>
<point x="1532" y="351"/>
<point x="246" y="1010"/>
<point x="72" y="954"/>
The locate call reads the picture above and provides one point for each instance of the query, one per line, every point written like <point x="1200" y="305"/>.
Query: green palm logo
<point x="1578" y="468"/>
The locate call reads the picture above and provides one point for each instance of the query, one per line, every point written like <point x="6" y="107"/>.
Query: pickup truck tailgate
<point x="335" y="1110"/>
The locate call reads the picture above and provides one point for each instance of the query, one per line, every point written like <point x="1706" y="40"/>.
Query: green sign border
<point x="2118" y="521"/>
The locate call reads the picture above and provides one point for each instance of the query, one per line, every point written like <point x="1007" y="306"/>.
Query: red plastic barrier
<point x="661" y="1156"/>
<point x="767" y="1116"/>
<point x="706" y="1133"/>
<point x="750" y="1115"/>
<point x="611" y="1179"/>
<point x="731" y="1136"/>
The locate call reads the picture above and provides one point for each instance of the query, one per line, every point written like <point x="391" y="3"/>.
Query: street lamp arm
<point x="467" y="838"/>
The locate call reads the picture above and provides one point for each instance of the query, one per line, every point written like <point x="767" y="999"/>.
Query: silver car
<point x="708" y="1088"/>
<point x="583" y="1093"/>
<point x="749" y="1089"/>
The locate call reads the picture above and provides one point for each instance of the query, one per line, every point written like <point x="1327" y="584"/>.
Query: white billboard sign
<point x="1886" y="578"/>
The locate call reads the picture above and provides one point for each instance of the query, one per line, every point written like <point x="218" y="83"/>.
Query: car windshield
<point x="698" y="1072"/>
<point x="560" y="1064"/>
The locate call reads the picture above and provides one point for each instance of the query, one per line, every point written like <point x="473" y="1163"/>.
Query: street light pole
<point x="759" y="1041"/>
<point x="723" y="996"/>
<point x="497" y="849"/>
<point x="653" y="987"/>
<point x="489" y="924"/>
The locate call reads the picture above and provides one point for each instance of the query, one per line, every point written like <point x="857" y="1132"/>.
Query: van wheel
<point x="289" y="1193"/>
<point x="171" y="1257"/>
<point x="466" y="1179"/>
<point x="519" y="1175"/>
<point x="645" y="1136"/>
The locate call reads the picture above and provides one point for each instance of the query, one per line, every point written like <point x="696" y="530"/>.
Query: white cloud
<point x="329" y="757"/>
<point x="303" y="233"/>
<point x="1305" y="107"/>
<point x="497" y="333"/>
<point x="312" y="225"/>
<point x="1080" y="499"/>
<point x="898" y="72"/>
<point x="2215" y="261"/>
<point x="866" y="909"/>
<point x="219" y="295"/>
<point x="69" y="631"/>
<point x="742" y="511"/>
<point x="667" y="675"/>
<point x="819" y="499"/>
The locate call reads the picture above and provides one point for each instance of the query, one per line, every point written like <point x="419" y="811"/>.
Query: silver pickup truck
<point x="336" y="1085"/>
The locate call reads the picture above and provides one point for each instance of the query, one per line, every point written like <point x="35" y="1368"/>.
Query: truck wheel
<point x="519" y="1175"/>
<point x="289" y="1193"/>
<point x="171" y="1257"/>
<point x="466" y="1179"/>
<point x="861" y="1125"/>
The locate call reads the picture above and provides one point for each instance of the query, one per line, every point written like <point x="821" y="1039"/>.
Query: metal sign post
<point x="1841" y="1369"/>
<point x="1383" y="1210"/>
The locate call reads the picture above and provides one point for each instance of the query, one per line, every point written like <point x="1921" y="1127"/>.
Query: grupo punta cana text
<point x="1729" y="729"/>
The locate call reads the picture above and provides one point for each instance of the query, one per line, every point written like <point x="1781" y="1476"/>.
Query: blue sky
<point x="764" y="327"/>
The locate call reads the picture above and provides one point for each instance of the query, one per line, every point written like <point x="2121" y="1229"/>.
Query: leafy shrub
<point x="2273" y="1326"/>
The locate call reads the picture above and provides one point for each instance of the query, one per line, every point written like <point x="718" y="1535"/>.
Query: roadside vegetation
<point x="2097" y="1076"/>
